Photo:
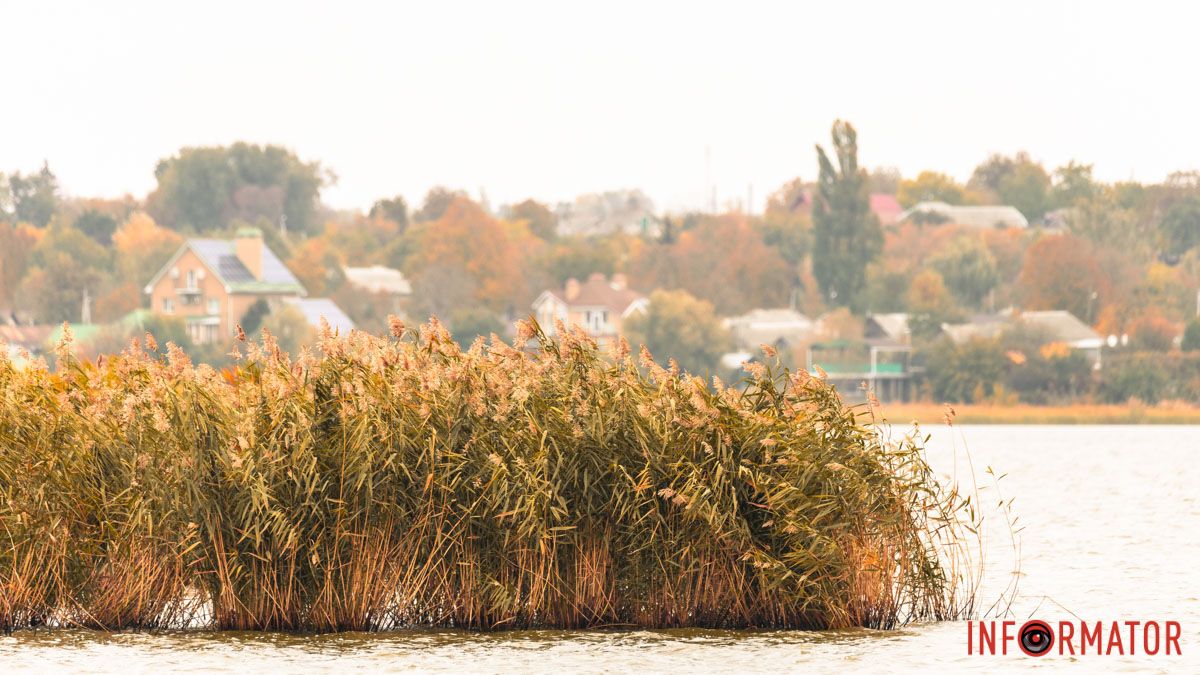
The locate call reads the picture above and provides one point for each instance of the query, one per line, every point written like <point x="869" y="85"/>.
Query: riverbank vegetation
<point x="1131" y="413"/>
<point x="384" y="482"/>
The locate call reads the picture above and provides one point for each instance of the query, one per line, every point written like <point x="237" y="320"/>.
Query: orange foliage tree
<point x="1062" y="272"/>
<point x="724" y="260"/>
<point x="467" y="241"/>
<point x="16" y="244"/>
<point x="142" y="247"/>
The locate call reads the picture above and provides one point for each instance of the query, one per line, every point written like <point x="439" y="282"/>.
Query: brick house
<point x="210" y="283"/>
<point x="599" y="305"/>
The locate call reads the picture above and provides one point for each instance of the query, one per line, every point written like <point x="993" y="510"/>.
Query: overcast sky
<point x="552" y="100"/>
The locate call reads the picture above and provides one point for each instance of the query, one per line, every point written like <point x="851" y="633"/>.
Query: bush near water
<point x="377" y="483"/>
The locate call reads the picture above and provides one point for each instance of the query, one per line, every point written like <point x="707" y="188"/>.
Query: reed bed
<point x="383" y="482"/>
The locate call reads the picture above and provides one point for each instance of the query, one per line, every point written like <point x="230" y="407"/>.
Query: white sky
<point x="554" y="99"/>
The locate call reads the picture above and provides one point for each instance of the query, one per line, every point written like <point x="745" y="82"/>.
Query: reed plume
<point x="381" y="482"/>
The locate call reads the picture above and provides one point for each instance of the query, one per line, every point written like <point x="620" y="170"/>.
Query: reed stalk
<point x="382" y="482"/>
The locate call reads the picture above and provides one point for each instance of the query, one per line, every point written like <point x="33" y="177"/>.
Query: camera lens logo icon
<point x="1035" y="638"/>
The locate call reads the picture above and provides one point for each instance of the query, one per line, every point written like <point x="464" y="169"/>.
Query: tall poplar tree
<point x="847" y="235"/>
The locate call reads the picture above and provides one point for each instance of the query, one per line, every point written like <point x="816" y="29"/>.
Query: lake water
<point x="1111" y="519"/>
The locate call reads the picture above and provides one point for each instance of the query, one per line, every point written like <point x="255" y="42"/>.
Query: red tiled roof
<point x="598" y="291"/>
<point x="886" y="207"/>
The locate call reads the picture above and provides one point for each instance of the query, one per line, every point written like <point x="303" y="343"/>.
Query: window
<point x="168" y="306"/>
<point x="214" y="306"/>
<point x="191" y="278"/>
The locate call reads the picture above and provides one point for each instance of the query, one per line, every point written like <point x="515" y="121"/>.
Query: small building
<point x="210" y="283"/>
<point x="315" y="309"/>
<point x="378" y="279"/>
<point x="1054" y="325"/>
<point x="886" y="208"/>
<point x="972" y="216"/>
<point x="892" y="326"/>
<point x="599" y="305"/>
<point x="783" y="328"/>
<point x="881" y="365"/>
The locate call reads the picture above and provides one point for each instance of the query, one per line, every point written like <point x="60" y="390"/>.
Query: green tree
<point x="290" y="328"/>
<point x="930" y="186"/>
<point x="1180" y="225"/>
<point x="394" y="209"/>
<point x="206" y="188"/>
<point x="97" y="225"/>
<point x="468" y="323"/>
<point x="1073" y="183"/>
<point x="34" y="197"/>
<point x="966" y="373"/>
<point x="1191" y="336"/>
<point x="847" y="235"/>
<point x="680" y="326"/>
<point x="437" y="200"/>
<point x="1017" y="181"/>
<point x="253" y="319"/>
<point x="968" y="268"/>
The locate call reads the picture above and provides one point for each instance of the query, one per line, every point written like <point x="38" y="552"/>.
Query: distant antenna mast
<point x="708" y="186"/>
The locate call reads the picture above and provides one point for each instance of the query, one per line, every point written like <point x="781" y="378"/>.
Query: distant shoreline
<point x="934" y="413"/>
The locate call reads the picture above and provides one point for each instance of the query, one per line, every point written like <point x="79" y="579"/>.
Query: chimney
<point x="249" y="249"/>
<point x="572" y="289"/>
<point x="619" y="282"/>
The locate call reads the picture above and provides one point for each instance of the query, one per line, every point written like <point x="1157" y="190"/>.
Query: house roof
<point x="220" y="257"/>
<point x="32" y="338"/>
<point x="974" y="216"/>
<point x="1057" y="326"/>
<point x="893" y="325"/>
<point x="769" y="326"/>
<point x="598" y="291"/>
<point x="314" y="309"/>
<point x="885" y="207"/>
<point x="1060" y="325"/>
<point x="378" y="279"/>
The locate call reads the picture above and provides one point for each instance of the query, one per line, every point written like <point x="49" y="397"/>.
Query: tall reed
<point x="375" y="482"/>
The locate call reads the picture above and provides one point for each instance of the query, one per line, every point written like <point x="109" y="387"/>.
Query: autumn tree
<point x="929" y="186"/>
<point x="466" y="240"/>
<point x="142" y="247"/>
<point x="723" y="260"/>
<point x="206" y="188"/>
<point x="847" y="235"/>
<point x="66" y="267"/>
<point x="1062" y="272"/>
<point x="929" y="304"/>
<point x="540" y="220"/>
<point x="679" y="326"/>
<point x="16" y="247"/>
<point x="968" y="269"/>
